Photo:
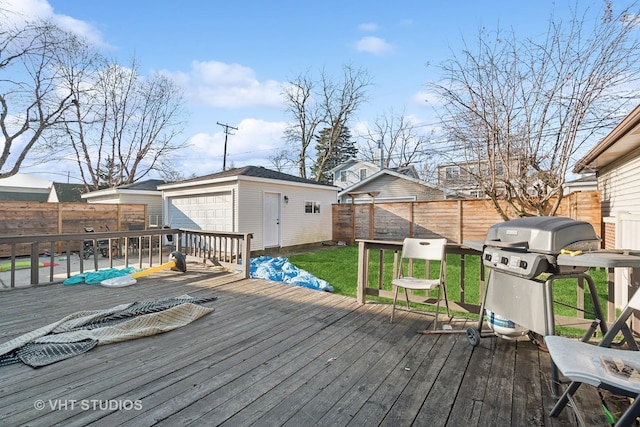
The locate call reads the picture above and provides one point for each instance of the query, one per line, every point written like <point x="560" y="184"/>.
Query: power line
<point x="226" y="134"/>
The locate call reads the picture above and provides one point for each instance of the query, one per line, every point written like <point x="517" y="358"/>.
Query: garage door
<point x="213" y="211"/>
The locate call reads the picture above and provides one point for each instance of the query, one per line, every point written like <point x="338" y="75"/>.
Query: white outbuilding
<point x="280" y="210"/>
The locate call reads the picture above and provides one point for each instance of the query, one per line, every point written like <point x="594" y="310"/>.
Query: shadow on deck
<point x="269" y="355"/>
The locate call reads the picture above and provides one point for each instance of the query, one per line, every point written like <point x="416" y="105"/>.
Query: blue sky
<point x="232" y="57"/>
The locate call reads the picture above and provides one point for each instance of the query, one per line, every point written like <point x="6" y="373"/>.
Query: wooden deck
<point x="272" y="355"/>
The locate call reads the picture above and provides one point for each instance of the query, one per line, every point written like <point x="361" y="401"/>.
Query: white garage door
<point x="213" y="211"/>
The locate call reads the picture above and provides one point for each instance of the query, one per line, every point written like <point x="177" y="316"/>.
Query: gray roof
<point x="70" y="192"/>
<point x="149" y="185"/>
<point x="257" y="172"/>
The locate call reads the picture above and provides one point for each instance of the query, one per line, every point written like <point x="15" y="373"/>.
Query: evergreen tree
<point x="333" y="146"/>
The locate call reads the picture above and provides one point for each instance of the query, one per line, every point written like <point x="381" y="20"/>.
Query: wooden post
<point x="460" y="222"/>
<point x="362" y="273"/>
<point x="411" y="218"/>
<point x="372" y="220"/>
<point x="246" y="254"/>
<point x="353" y="221"/>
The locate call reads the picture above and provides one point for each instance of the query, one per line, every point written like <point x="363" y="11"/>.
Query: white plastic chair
<point x="613" y="369"/>
<point x="426" y="250"/>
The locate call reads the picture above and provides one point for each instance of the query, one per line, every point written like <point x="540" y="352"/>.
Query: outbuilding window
<point x="312" y="207"/>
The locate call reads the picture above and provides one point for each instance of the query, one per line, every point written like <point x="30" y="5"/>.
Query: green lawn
<point x="339" y="267"/>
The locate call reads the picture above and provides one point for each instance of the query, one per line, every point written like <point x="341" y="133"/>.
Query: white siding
<point x="619" y="185"/>
<point x="297" y="228"/>
<point x="353" y="174"/>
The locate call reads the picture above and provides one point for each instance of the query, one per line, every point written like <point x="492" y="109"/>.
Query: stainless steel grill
<point x="528" y="247"/>
<point x="516" y="253"/>
<point x="517" y="299"/>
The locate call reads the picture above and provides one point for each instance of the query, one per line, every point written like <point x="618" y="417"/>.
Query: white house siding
<point x="619" y="185"/>
<point x="297" y="227"/>
<point x="353" y="173"/>
<point x="153" y="202"/>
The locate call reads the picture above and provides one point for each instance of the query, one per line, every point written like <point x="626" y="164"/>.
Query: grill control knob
<point x="504" y="260"/>
<point x="523" y="264"/>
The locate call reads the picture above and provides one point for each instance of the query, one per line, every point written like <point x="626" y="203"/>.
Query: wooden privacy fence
<point x="457" y="220"/>
<point x="38" y="218"/>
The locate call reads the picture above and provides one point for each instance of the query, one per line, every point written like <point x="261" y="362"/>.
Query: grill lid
<point x="543" y="234"/>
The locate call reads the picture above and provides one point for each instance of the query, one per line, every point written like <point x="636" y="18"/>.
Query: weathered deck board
<point x="272" y="354"/>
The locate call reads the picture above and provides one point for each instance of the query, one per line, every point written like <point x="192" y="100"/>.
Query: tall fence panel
<point x="457" y="220"/>
<point x="37" y="218"/>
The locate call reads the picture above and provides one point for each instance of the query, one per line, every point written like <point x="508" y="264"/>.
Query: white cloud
<point x="252" y="144"/>
<point x="222" y="85"/>
<point x="21" y="11"/>
<point x="374" y="45"/>
<point x="368" y="26"/>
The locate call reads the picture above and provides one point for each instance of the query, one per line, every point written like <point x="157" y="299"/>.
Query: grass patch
<point x="339" y="267"/>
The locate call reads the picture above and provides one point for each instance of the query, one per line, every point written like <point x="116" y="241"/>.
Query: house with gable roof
<point x="389" y="185"/>
<point x="280" y="210"/>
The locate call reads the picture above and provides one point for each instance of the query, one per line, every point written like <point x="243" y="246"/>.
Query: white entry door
<point x="271" y="220"/>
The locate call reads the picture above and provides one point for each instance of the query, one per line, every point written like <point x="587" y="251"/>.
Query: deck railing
<point x="232" y="250"/>
<point x="134" y="248"/>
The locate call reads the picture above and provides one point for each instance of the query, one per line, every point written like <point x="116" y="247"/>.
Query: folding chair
<point x="613" y="369"/>
<point x="426" y="250"/>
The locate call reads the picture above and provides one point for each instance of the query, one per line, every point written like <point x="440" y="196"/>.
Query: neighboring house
<point x="24" y="188"/>
<point x="143" y="192"/>
<point x="584" y="182"/>
<point x="61" y="192"/>
<point x="390" y="186"/>
<point x="351" y="172"/>
<point x="279" y="209"/>
<point x="459" y="177"/>
<point x="616" y="160"/>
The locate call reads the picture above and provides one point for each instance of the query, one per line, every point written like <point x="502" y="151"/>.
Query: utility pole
<point x="226" y="134"/>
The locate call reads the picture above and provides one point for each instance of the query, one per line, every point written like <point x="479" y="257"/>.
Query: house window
<point x="476" y="194"/>
<point x="452" y="172"/>
<point x="312" y="207"/>
<point x="363" y="174"/>
<point x="343" y="176"/>
<point x="499" y="169"/>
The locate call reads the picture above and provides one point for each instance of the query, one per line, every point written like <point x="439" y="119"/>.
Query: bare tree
<point x="122" y="125"/>
<point x="395" y="142"/>
<point x="308" y="115"/>
<point x="31" y="100"/>
<point x="520" y="111"/>
<point x="281" y="159"/>
<point x="326" y="102"/>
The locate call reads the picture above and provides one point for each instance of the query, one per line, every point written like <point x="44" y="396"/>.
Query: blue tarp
<point x="96" y="277"/>
<point x="281" y="270"/>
